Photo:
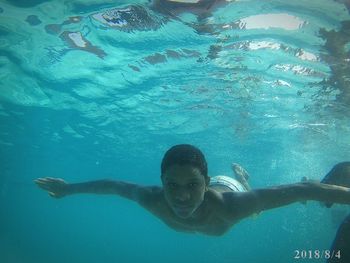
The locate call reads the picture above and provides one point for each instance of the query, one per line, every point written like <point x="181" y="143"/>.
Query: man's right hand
<point x="56" y="187"/>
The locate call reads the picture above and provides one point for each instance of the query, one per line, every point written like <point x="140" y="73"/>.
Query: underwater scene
<point x="101" y="89"/>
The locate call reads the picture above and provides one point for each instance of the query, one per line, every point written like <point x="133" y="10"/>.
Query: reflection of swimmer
<point x="341" y="244"/>
<point x="56" y="28"/>
<point x="129" y="18"/>
<point x="77" y="41"/>
<point x="201" y="8"/>
<point x="198" y="7"/>
<point x="138" y="17"/>
<point x="133" y="17"/>
<point x="191" y="201"/>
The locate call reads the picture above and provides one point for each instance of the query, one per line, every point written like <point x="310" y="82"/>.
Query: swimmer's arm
<point x="240" y="205"/>
<point x="108" y="187"/>
<point x="58" y="188"/>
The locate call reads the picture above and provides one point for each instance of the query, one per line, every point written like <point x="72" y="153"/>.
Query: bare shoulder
<point x="148" y="193"/>
<point x="229" y="198"/>
<point x="215" y="197"/>
<point x="230" y="206"/>
<point x="216" y="201"/>
<point x="238" y="205"/>
<point x="150" y="196"/>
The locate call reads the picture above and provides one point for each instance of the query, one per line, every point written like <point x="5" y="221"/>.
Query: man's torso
<point x="209" y="219"/>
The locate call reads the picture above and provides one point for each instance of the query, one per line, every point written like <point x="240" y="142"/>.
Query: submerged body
<point x="219" y="209"/>
<point x="207" y="217"/>
<point x="197" y="212"/>
<point x="190" y="201"/>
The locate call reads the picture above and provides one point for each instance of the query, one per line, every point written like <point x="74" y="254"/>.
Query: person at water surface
<point x="191" y="201"/>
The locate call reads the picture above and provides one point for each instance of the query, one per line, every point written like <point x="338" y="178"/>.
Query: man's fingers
<point x="39" y="180"/>
<point x="43" y="183"/>
<point x="51" y="185"/>
<point x="43" y="180"/>
<point x="48" y="179"/>
<point x="53" y="195"/>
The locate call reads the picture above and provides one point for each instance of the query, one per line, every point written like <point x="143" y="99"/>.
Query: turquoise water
<point x="261" y="83"/>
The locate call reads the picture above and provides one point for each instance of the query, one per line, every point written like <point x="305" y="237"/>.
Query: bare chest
<point x="209" y="222"/>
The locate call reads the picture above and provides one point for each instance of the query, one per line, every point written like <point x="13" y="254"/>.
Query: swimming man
<point x="190" y="201"/>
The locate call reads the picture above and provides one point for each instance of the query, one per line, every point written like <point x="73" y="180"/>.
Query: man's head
<point x="184" y="154"/>
<point x="185" y="178"/>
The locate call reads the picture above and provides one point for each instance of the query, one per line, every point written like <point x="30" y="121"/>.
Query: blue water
<point x="261" y="83"/>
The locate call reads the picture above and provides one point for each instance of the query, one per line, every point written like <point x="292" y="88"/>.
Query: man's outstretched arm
<point x="240" y="205"/>
<point x="58" y="188"/>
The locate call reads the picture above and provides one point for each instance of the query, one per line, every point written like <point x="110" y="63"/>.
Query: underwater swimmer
<point x="190" y="201"/>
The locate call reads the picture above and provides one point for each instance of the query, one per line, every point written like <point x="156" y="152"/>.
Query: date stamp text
<point x="316" y="254"/>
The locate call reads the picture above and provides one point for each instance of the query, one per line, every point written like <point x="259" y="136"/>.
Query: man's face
<point x="184" y="189"/>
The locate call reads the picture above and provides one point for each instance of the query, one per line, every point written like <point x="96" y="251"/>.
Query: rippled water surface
<point x="94" y="89"/>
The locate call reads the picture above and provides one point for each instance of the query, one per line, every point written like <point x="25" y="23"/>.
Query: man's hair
<point x="184" y="154"/>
